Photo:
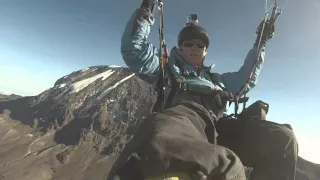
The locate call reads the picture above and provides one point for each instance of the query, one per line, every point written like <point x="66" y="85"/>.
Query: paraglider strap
<point x="274" y="16"/>
<point x="163" y="61"/>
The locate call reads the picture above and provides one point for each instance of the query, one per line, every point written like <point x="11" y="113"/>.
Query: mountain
<point x="76" y="129"/>
<point x="5" y="97"/>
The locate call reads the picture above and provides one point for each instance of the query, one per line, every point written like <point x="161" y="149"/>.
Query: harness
<point x="178" y="87"/>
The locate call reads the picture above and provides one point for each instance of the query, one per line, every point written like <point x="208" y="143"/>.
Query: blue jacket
<point x="142" y="58"/>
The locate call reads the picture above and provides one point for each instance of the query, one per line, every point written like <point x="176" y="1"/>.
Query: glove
<point x="222" y="97"/>
<point x="148" y="4"/>
<point x="268" y="33"/>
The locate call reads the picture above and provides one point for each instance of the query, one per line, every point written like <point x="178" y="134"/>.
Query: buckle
<point x="183" y="87"/>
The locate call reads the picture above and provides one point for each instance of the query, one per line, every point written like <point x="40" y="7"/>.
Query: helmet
<point x="193" y="31"/>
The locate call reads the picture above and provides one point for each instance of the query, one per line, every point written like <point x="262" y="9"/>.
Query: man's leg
<point x="270" y="148"/>
<point x="178" y="140"/>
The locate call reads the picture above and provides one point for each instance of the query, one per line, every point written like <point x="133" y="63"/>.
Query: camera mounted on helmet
<point x="192" y="19"/>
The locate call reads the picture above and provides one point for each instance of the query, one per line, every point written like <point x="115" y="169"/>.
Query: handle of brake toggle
<point x="240" y="100"/>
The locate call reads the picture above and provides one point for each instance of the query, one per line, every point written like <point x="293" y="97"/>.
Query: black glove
<point x="222" y="97"/>
<point x="148" y="4"/>
<point x="268" y="33"/>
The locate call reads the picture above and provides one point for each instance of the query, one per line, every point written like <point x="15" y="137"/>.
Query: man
<point x="182" y="141"/>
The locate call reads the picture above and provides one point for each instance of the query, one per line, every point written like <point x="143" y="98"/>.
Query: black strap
<point x="175" y="87"/>
<point x="173" y="93"/>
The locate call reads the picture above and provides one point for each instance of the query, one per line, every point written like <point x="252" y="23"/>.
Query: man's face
<point x="194" y="50"/>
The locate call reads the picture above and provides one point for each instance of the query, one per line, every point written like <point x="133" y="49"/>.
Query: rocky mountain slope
<point x="4" y="97"/>
<point x="75" y="129"/>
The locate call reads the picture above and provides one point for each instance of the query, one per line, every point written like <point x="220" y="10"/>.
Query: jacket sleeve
<point x="233" y="81"/>
<point x="139" y="55"/>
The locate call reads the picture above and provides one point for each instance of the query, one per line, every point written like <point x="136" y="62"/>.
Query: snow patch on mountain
<point x="78" y="86"/>
<point x="114" y="66"/>
<point x="114" y="86"/>
<point x="62" y="85"/>
<point x="84" y="70"/>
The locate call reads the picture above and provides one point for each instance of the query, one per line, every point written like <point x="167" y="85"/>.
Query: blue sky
<point x="41" y="41"/>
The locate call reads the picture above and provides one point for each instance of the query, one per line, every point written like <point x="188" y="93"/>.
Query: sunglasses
<point x="190" y="44"/>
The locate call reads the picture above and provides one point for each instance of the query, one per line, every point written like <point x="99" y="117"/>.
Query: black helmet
<point x="193" y="31"/>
